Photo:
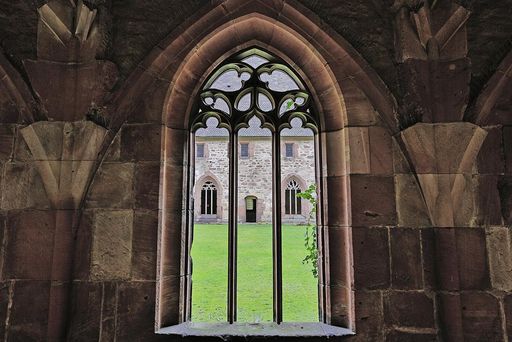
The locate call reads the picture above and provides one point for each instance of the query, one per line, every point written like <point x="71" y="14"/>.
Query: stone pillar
<point x="443" y="155"/>
<point x="64" y="155"/>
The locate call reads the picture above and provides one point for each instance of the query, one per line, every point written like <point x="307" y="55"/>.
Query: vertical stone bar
<point x="232" y="226"/>
<point x="276" y="228"/>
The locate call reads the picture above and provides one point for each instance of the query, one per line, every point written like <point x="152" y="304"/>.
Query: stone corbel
<point x="64" y="154"/>
<point x="443" y="156"/>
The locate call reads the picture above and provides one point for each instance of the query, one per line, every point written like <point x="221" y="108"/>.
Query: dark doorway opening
<point x="250" y="208"/>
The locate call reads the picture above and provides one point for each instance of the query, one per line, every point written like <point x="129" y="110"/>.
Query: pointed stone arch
<point x="345" y="89"/>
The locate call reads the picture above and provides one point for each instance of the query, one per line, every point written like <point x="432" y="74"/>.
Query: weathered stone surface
<point x="6" y="141"/>
<point x="4" y="304"/>
<point x="371" y="258"/>
<point x="402" y="336"/>
<point x="23" y="187"/>
<point x="147" y="185"/>
<point x="397" y="309"/>
<point x="112" y="245"/>
<point x="406" y="264"/>
<point x="491" y="158"/>
<point x="141" y="142"/>
<point x="112" y="186"/>
<point x="369" y="316"/>
<point x="505" y="191"/>
<point x="372" y="200"/>
<point x="507" y="149"/>
<point x="86" y="311"/>
<point x="381" y="151"/>
<point x="358" y="151"/>
<point x="443" y="148"/>
<point x="410" y="205"/>
<point x="30" y="237"/>
<point x="481" y="317"/>
<point x="136" y="309"/>
<point x="488" y="211"/>
<point x="144" y="245"/>
<point x="500" y="257"/>
<point x="29" y="313"/>
<point x="508" y="313"/>
<point x="70" y="91"/>
<point x="428" y="258"/>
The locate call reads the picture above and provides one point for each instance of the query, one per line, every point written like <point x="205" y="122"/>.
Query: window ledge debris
<point x="226" y="330"/>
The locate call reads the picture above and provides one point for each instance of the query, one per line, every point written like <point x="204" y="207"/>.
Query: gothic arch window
<point x="292" y="203"/>
<point x="251" y="91"/>
<point x="209" y="199"/>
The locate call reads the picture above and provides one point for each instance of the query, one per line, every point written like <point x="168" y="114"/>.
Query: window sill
<point x="197" y="329"/>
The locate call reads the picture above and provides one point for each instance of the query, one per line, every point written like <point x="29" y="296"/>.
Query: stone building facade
<point x="415" y="171"/>
<point x="254" y="176"/>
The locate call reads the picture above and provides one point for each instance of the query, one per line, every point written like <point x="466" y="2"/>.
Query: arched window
<point x="254" y="94"/>
<point x="209" y="199"/>
<point x="292" y="202"/>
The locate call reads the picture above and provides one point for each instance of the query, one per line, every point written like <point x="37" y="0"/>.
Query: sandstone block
<point x="176" y="145"/>
<point x="147" y="184"/>
<point x="7" y="133"/>
<point x="508" y="313"/>
<point x="141" y="142"/>
<point x="507" y="149"/>
<point x="381" y="151"/>
<point x="406" y="262"/>
<point x="338" y="255"/>
<point x="29" y="313"/>
<point x="111" y="254"/>
<point x="357" y="146"/>
<point x="372" y="200"/>
<point x="86" y="311"/>
<point x="335" y="153"/>
<point x="112" y="186"/>
<point x="401" y="336"/>
<point x="23" y="187"/>
<point x="410" y="206"/>
<point x="443" y="148"/>
<point x="144" y="245"/>
<point x="336" y="193"/>
<point x="29" y="247"/>
<point x="491" y="158"/>
<point x="481" y="317"/>
<point x="371" y="258"/>
<point x="500" y="257"/>
<point x="397" y="309"/>
<point x="136" y="311"/>
<point x="369" y="315"/>
<point x="69" y="90"/>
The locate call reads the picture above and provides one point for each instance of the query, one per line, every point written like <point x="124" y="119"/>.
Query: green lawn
<point x="209" y="277"/>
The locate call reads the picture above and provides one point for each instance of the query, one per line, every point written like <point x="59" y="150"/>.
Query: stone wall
<point x="254" y="174"/>
<point x="416" y="183"/>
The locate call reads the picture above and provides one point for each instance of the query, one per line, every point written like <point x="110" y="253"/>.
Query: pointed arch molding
<point x="346" y="92"/>
<point x="335" y="71"/>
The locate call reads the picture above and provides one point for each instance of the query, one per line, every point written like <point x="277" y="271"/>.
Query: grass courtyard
<point x="209" y="277"/>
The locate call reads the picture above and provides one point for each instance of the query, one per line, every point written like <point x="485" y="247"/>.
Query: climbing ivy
<point x="310" y="235"/>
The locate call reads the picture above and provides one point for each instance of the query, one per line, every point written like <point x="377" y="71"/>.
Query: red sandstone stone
<point x="481" y="317"/>
<point x="369" y="316"/>
<point x="409" y="309"/>
<point x="491" y="158"/>
<point x="144" y="245"/>
<point x="29" y="245"/>
<point x="406" y="262"/>
<point x="372" y="200"/>
<point x="147" y="185"/>
<point x="371" y="258"/>
<point x="141" y="142"/>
